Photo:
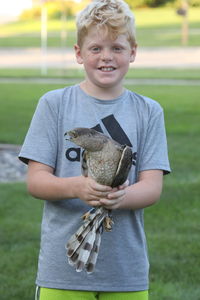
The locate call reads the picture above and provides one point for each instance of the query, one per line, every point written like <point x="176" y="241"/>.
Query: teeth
<point x="107" y="69"/>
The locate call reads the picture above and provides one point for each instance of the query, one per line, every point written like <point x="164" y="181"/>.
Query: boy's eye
<point x="95" y="49"/>
<point x="117" y="49"/>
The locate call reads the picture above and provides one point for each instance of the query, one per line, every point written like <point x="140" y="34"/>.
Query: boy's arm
<point x="43" y="184"/>
<point x="139" y="195"/>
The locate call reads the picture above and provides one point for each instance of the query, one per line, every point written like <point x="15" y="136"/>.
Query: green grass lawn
<point x="20" y="217"/>
<point x="18" y="102"/>
<point x="172" y="225"/>
<point x="138" y="73"/>
<point x="155" y="27"/>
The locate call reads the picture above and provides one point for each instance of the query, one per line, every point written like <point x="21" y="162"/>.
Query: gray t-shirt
<point x="130" y="119"/>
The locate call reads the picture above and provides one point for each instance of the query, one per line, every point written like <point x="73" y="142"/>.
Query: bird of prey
<point x="108" y="163"/>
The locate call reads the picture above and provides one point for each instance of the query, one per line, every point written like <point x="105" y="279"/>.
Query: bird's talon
<point x="108" y="223"/>
<point x="86" y="215"/>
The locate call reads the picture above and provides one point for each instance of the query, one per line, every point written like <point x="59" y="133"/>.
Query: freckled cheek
<point x="91" y="64"/>
<point x="90" y="58"/>
<point x="124" y="59"/>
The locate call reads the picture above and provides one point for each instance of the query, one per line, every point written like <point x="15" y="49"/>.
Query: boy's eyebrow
<point x="118" y="44"/>
<point x="92" y="44"/>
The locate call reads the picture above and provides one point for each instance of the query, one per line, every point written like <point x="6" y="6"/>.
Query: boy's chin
<point x="108" y="82"/>
<point x="107" y="85"/>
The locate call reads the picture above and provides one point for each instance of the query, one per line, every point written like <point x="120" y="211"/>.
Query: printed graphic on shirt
<point x="116" y="133"/>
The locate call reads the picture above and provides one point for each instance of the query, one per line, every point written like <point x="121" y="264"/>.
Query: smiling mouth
<point x="106" y="69"/>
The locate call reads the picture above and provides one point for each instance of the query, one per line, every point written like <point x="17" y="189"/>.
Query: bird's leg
<point x="108" y="221"/>
<point x="88" y="214"/>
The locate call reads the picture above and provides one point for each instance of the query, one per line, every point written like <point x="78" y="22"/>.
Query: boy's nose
<point x="106" y="55"/>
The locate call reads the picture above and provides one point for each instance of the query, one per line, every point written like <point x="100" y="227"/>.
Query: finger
<point x="116" y="194"/>
<point x="102" y="188"/>
<point x="106" y="202"/>
<point x="99" y="187"/>
<point x="115" y="189"/>
<point x="94" y="202"/>
<point x="96" y="195"/>
<point x="95" y="186"/>
<point x="110" y="204"/>
<point x="102" y="194"/>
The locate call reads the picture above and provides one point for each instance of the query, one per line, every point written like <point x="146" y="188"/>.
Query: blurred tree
<point x="31" y="14"/>
<point x="194" y="2"/>
<point x="55" y="9"/>
<point x="71" y="7"/>
<point x="157" y="3"/>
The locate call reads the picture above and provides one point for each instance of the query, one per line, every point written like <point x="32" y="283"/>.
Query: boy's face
<point x="105" y="61"/>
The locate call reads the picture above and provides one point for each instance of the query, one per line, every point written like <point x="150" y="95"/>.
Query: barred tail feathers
<point x="80" y="233"/>
<point x="94" y="252"/>
<point x="83" y="246"/>
<point x="77" y="239"/>
<point x="85" y="250"/>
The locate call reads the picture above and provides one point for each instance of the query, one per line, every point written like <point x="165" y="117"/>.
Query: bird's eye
<point x="74" y="134"/>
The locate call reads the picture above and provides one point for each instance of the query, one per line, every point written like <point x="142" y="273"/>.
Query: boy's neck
<point x="101" y="92"/>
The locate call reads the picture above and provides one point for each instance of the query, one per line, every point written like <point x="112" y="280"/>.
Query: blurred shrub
<point x="31" y="14"/>
<point x="194" y="2"/>
<point x="148" y="3"/>
<point x="157" y="3"/>
<point x="55" y="9"/>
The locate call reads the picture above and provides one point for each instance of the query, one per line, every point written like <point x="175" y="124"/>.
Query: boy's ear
<point x="133" y="53"/>
<point x="78" y="54"/>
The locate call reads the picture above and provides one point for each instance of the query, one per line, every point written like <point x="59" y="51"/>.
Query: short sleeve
<point x="154" y="151"/>
<point x="40" y="143"/>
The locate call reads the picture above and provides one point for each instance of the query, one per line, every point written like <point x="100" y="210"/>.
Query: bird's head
<point x="87" y="138"/>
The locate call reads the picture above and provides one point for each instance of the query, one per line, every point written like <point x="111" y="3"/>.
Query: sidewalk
<point x="131" y="81"/>
<point x="11" y="169"/>
<point x="173" y="57"/>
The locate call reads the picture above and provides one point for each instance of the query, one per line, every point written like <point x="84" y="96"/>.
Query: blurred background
<point x="41" y="33"/>
<point x="36" y="55"/>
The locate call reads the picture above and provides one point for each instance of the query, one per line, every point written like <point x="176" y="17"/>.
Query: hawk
<point x="108" y="163"/>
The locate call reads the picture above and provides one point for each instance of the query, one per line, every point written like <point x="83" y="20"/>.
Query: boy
<point x="105" y="46"/>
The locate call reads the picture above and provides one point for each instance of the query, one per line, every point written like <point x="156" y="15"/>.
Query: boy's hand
<point x="92" y="192"/>
<point x="115" y="197"/>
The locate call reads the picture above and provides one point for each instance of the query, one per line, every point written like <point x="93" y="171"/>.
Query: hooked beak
<point x="67" y="136"/>
<point x="70" y="135"/>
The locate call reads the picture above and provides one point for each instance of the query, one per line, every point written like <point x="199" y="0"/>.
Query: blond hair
<point x="113" y="16"/>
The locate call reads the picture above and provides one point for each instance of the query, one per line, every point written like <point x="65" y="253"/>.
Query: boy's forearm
<point x="141" y="194"/>
<point x="138" y="195"/>
<point x="46" y="186"/>
<point x="145" y="192"/>
<point x="43" y="184"/>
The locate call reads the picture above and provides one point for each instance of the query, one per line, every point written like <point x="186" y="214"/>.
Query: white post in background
<point x="43" y="37"/>
<point x="183" y="12"/>
<point x="63" y="24"/>
<point x="63" y="33"/>
<point x="185" y="25"/>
